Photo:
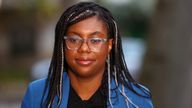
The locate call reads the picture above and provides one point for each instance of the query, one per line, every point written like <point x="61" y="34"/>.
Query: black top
<point x="97" y="100"/>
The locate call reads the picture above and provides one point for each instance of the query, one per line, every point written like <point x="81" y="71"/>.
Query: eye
<point x="74" y="40"/>
<point x="95" y="40"/>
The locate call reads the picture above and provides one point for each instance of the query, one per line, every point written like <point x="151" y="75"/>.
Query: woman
<point x="88" y="69"/>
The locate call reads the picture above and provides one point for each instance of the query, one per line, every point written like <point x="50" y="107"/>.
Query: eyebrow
<point x="94" y="33"/>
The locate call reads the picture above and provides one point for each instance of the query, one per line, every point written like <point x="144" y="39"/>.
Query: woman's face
<point x="88" y="60"/>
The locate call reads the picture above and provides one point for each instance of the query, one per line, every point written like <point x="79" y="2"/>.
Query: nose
<point x="84" y="47"/>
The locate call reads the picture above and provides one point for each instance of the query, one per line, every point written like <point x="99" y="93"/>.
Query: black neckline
<point x="97" y="100"/>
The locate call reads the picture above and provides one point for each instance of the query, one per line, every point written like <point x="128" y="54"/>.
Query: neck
<point x="85" y="87"/>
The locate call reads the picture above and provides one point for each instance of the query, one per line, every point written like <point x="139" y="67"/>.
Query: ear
<point x="110" y="44"/>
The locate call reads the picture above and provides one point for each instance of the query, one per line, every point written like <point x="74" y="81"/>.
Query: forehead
<point x="89" y="26"/>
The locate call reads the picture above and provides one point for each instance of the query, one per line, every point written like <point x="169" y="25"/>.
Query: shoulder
<point x="38" y="84"/>
<point x="33" y="94"/>
<point x="142" y="99"/>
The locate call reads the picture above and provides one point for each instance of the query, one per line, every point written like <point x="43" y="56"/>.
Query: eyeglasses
<point x="75" y="42"/>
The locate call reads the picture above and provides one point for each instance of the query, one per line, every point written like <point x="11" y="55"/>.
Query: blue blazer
<point x="34" y="93"/>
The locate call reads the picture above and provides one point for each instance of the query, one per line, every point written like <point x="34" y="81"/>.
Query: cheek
<point x="69" y="56"/>
<point x="102" y="56"/>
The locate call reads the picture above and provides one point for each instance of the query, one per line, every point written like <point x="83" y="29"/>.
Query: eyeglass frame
<point x="82" y="40"/>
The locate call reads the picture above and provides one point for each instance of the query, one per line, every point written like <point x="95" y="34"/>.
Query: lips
<point x="84" y="62"/>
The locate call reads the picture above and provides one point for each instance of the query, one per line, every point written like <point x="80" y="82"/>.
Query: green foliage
<point x="41" y="8"/>
<point x="13" y="75"/>
<point x="45" y="8"/>
<point x="132" y="21"/>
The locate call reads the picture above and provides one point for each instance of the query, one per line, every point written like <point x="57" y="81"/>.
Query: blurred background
<point x="157" y="43"/>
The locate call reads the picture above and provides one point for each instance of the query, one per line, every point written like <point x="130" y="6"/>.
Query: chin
<point x="85" y="73"/>
<point x="90" y="71"/>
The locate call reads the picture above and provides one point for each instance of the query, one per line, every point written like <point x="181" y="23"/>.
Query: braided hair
<point x="116" y="67"/>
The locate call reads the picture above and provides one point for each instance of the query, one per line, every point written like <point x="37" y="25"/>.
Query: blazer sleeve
<point x="27" y="99"/>
<point x="33" y="95"/>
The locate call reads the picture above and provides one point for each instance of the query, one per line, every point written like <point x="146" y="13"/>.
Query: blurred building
<point x="21" y="26"/>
